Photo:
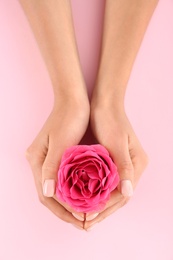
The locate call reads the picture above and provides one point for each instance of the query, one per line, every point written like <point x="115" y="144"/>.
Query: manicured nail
<point x="91" y="228"/>
<point x="78" y="216"/>
<point x="91" y="217"/>
<point x="49" y="188"/>
<point x="77" y="227"/>
<point x="126" y="188"/>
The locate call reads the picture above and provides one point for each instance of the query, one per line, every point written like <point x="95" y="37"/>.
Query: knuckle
<point x="124" y="202"/>
<point x="65" y="218"/>
<point x="145" y="159"/>
<point x="64" y="215"/>
<point x="49" y="166"/>
<point x="42" y="199"/>
<point x="29" y="153"/>
<point x="126" y="165"/>
<point x="33" y="155"/>
<point x="102" y="217"/>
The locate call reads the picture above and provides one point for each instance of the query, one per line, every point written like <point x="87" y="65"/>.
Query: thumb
<point x="50" y="169"/>
<point x="124" y="164"/>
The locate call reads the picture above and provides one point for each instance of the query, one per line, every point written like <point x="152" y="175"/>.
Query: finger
<point x="50" y="203"/>
<point x="91" y="216"/>
<point x="115" y="197"/>
<point x="139" y="160"/>
<point x="88" y="225"/>
<point x="50" y="171"/>
<point x="78" y="215"/>
<point x="60" y="211"/>
<point x="50" y="167"/>
<point x="121" y="157"/>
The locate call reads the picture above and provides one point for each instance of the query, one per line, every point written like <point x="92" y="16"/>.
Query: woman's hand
<point x="123" y="30"/>
<point x="64" y="127"/>
<point x="113" y="130"/>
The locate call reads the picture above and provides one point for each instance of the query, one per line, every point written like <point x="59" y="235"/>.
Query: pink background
<point x="141" y="230"/>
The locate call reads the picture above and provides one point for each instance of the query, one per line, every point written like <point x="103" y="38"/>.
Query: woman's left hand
<point x="113" y="130"/>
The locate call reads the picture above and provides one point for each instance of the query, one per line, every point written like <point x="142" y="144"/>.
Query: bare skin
<point x="125" y="24"/>
<point x="49" y="20"/>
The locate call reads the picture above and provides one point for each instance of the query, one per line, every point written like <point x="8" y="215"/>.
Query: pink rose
<point x="86" y="177"/>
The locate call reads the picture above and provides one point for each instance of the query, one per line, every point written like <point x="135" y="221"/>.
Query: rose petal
<point x="75" y="192"/>
<point x="74" y="177"/>
<point x="94" y="199"/>
<point x="90" y="167"/>
<point x="99" y="149"/>
<point x="86" y="176"/>
<point x="61" y="178"/>
<point x="66" y="188"/>
<point x="66" y="171"/>
<point x="74" y="202"/>
<point x="106" y="184"/>
<point x="88" y="161"/>
<point x="93" y="175"/>
<point x="93" y="185"/>
<point x="101" y="173"/>
<point x="104" y="194"/>
<point x="83" y="176"/>
<point x="110" y="180"/>
<point x="115" y="183"/>
<point x="103" y="181"/>
<point x="86" y="155"/>
<point x="85" y="192"/>
<point x="59" y="195"/>
<point x="69" y="152"/>
<point x="105" y="168"/>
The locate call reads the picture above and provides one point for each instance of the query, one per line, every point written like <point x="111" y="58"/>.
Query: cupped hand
<point x="64" y="127"/>
<point x="113" y="130"/>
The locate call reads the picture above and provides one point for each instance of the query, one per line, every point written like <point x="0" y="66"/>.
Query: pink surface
<point x="143" y="228"/>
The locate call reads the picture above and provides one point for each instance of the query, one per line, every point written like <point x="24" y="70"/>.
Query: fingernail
<point x="126" y="188"/>
<point x="49" y="188"/>
<point x="91" y="228"/>
<point x="91" y="217"/>
<point x="78" y="216"/>
<point x="77" y="227"/>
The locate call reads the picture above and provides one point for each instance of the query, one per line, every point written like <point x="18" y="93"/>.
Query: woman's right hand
<point x="64" y="127"/>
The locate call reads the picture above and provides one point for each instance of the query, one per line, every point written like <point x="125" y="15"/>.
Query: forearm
<point x="125" y="24"/>
<point x="52" y="25"/>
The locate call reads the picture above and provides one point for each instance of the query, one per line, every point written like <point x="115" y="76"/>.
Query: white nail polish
<point x="78" y="216"/>
<point x="126" y="188"/>
<point x="91" y="217"/>
<point x="49" y="188"/>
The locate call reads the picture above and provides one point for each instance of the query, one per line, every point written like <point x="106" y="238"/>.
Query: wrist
<point x="109" y="97"/>
<point x="72" y="98"/>
<point x="70" y="90"/>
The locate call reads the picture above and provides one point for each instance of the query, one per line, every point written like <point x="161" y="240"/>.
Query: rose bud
<point x="86" y="177"/>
